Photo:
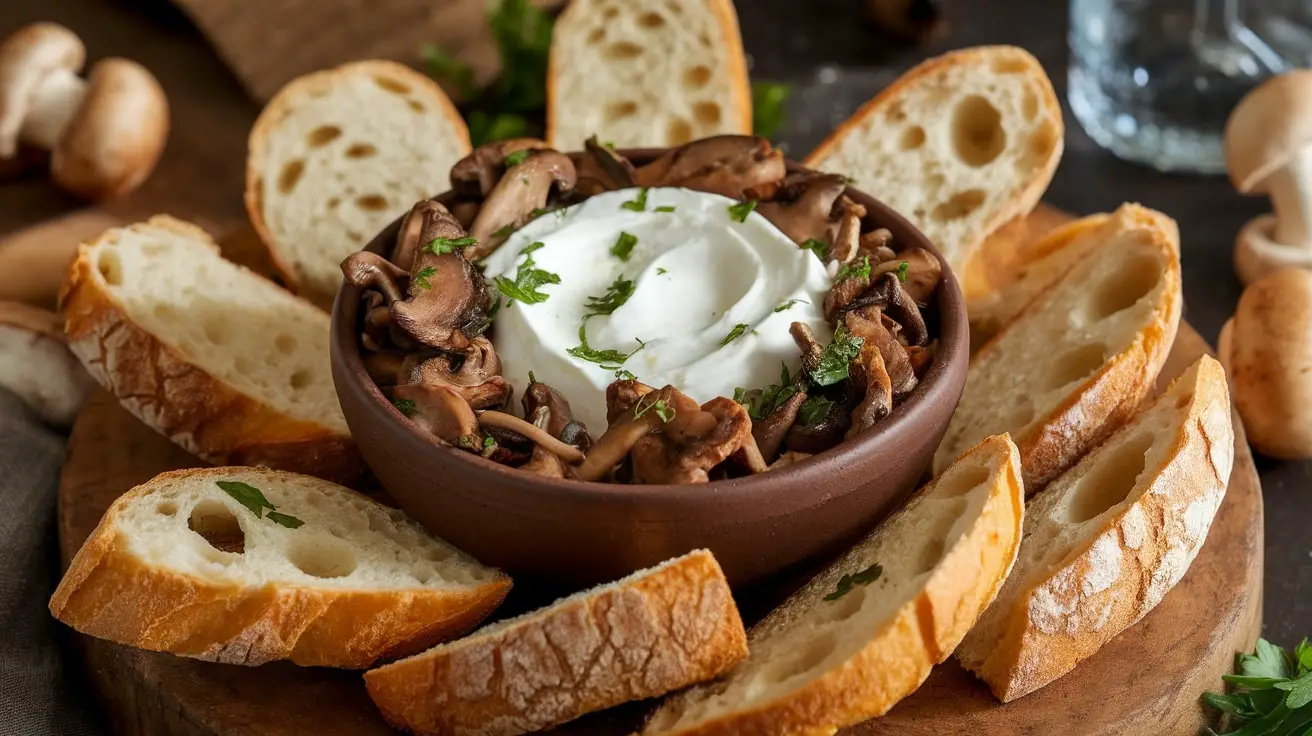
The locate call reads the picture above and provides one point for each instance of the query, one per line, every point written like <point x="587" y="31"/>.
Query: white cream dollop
<point x="697" y="273"/>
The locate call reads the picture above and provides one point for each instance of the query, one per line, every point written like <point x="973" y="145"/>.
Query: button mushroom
<point x="440" y="411"/>
<point x="475" y="175"/>
<point x="475" y="375"/>
<point x="523" y="190"/>
<point x="723" y="164"/>
<point x="1268" y="141"/>
<point x="105" y="133"/>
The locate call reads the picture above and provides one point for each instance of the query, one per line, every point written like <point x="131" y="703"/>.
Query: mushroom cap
<point x="1264" y="131"/>
<point x="117" y="136"/>
<point x="26" y="58"/>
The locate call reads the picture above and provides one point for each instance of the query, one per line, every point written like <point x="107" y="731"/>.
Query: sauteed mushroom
<point x="922" y="275"/>
<point x="869" y="324"/>
<point x="447" y="299"/>
<point x="547" y="409"/>
<point x="788" y="458"/>
<point x="691" y="439"/>
<point x="617" y="169"/>
<point x="722" y="164"/>
<point x="621" y="396"/>
<point x="475" y="375"/>
<point x="512" y="202"/>
<point x="441" y="412"/>
<point x="868" y="371"/>
<point x="544" y="463"/>
<point x="475" y="175"/>
<point x="770" y="431"/>
<point x="568" y="453"/>
<point x="372" y="271"/>
<point x="804" y="205"/>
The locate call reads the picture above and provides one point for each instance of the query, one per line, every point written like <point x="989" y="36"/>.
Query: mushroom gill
<point x="728" y="165"/>
<point x="476" y="175"/>
<point x="475" y="374"/>
<point x="521" y="192"/>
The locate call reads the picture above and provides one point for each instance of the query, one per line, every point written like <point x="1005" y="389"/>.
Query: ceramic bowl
<point x="573" y="533"/>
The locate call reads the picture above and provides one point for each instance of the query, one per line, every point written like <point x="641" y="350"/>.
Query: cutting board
<point x="1147" y="681"/>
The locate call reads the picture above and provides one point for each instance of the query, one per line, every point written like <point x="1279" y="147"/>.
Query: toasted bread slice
<point x="959" y="145"/>
<point x="865" y="633"/>
<point x="646" y="74"/>
<point x="1106" y="540"/>
<point x="36" y="365"/>
<point x="330" y="578"/>
<point x="337" y="155"/>
<point x="1078" y="360"/>
<point x="217" y="359"/>
<point x="655" y="631"/>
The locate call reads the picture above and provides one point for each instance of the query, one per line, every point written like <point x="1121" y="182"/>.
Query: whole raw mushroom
<point x="105" y="133"/>
<point x="1268" y="141"/>
<point x="1266" y="349"/>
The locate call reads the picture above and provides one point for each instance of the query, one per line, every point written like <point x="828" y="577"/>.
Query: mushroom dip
<point x="705" y="315"/>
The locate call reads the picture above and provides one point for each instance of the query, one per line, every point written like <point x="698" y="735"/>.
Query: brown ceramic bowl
<point x="575" y="533"/>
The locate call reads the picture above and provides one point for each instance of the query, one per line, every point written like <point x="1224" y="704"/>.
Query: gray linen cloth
<point x="41" y="693"/>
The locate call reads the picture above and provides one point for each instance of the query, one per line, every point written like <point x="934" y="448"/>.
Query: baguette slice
<point x="959" y="145"/>
<point x="337" y="155"/>
<point x="847" y="647"/>
<point x="178" y="565"/>
<point x="655" y="631"/>
<point x="646" y="74"/>
<point x="1079" y="359"/>
<point x="212" y="356"/>
<point x="1106" y="540"/>
<point x="36" y="365"/>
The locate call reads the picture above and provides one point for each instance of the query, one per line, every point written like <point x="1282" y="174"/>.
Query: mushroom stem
<point x="54" y="103"/>
<point x="501" y="420"/>
<point x="1290" y="190"/>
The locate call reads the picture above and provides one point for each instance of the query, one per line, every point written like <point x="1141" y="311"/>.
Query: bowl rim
<point x="937" y="383"/>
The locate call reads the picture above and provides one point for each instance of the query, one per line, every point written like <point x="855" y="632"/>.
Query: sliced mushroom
<point x="621" y="396"/>
<point x="371" y="271"/>
<point x="385" y="367"/>
<point x="885" y="293"/>
<point x="475" y="375"/>
<point x="804" y="207"/>
<point x="788" y="458"/>
<point x="869" y="324"/>
<point x="876" y="243"/>
<point x="549" y="410"/>
<point x="869" y="373"/>
<point x="923" y="272"/>
<point x="501" y="420"/>
<point x="441" y="411"/>
<point x="846" y="238"/>
<point x="475" y="175"/>
<point x="447" y="298"/>
<point x="544" y="463"/>
<point x="823" y="434"/>
<point x="617" y="169"/>
<point x="771" y="431"/>
<point x="512" y="203"/>
<point x="845" y="291"/>
<point x="722" y="164"/>
<point x="628" y="425"/>
<point x="693" y="441"/>
<point x="921" y="358"/>
<point x="811" y="348"/>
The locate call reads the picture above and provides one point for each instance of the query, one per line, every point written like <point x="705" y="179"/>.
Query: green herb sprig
<point x="443" y="246"/>
<point x="789" y="305"/>
<point x="405" y="406"/>
<point x="819" y="247"/>
<point x="859" y="269"/>
<point x="624" y="245"/>
<point x="1273" y="693"/>
<point x="769" y="107"/>
<point x="252" y="498"/>
<point x="814" y="410"/>
<point x="528" y="279"/>
<point x="902" y="271"/>
<point x="665" y="412"/>
<point x="761" y="403"/>
<point x="637" y="204"/>
<point x="425" y="273"/>
<point x="833" y="365"/>
<point x="665" y="208"/>
<point x="738" y="331"/>
<point x="515" y="158"/>
<point x="740" y="211"/>
<point x="616" y="295"/>
<point x="848" y="582"/>
<point x="607" y="359"/>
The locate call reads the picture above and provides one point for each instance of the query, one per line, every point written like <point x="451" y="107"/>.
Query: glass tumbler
<point x="1154" y="80"/>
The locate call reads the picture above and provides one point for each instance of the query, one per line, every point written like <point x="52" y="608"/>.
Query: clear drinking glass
<point x="1154" y="80"/>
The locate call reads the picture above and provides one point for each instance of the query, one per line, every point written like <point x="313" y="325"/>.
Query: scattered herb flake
<point x="814" y="410"/>
<point x="836" y="358"/>
<point x="516" y="158"/>
<point x="859" y="269"/>
<point x="443" y="246"/>
<point x="624" y="246"/>
<point x="665" y="412"/>
<point x="639" y="203"/>
<point x="902" y="271"/>
<point x="789" y="305"/>
<point x="608" y="359"/>
<point x="405" y="406"/>
<point x="532" y="379"/>
<point x="741" y="210"/>
<point x="616" y="295"/>
<point x="287" y="520"/>
<point x="769" y="107"/>
<point x="819" y="247"/>
<point x="527" y="279"/>
<point x="737" y="332"/>
<point x="485" y="127"/>
<point x="610" y="145"/>
<point x="661" y="272"/>
<point x="537" y="212"/>
<point x="425" y="273"/>
<point x="625" y="375"/>
<point x="665" y="208"/>
<point x="763" y="402"/>
<point x="848" y="582"/>
<point x="504" y="231"/>
<point x="252" y="498"/>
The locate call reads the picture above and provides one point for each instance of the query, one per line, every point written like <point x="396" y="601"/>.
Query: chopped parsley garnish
<point x="625" y="375"/>
<point x="738" y="331"/>
<point x="608" y="359"/>
<point x="661" y="271"/>
<point x="527" y="279"/>
<point x="425" y="273"/>
<point x="616" y="294"/>
<point x="489" y="446"/>
<point x="532" y="379"/>
<point x="838" y="354"/>
<point x="819" y="247"/>
<point x="610" y="145"/>
<point x="492" y="311"/>
<point x="537" y="212"/>
<point x="442" y="246"/>
<point x="516" y="158"/>
<point x="638" y="204"/>
<point x="855" y="270"/>
<point x="789" y="305"/>
<point x="814" y="410"/>
<point x="504" y="231"/>
<point x="763" y="402"/>
<point x="665" y="208"/>
<point x="769" y="107"/>
<point x="405" y="406"/>
<point x="624" y="245"/>
<point x="665" y="412"/>
<point x="902" y="270"/>
<point x="848" y="582"/>
<point x="249" y="496"/>
<point x="741" y="210"/>
<point x="443" y="66"/>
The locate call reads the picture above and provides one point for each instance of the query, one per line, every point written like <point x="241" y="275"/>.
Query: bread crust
<point x="1155" y="538"/>
<point x="192" y="407"/>
<point x="923" y="632"/>
<point x="110" y="593"/>
<point x="278" y="108"/>
<point x="730" y="35"/>
<point x="671" y="627"/>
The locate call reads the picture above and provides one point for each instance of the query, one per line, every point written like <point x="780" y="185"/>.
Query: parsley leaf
<point x="252" y="498"/>
<point x="789" y="305"/>
<point x="639" y="203"/>
<point x="665" y="412"/>
<point x="848" y="582"/>
<point x="527" y="279"/>
<point x="405" y="406"/>
<point x="523" y="35"/>
<point x="608" y="359"/>
<point x="616" y="294"/>
<point x="1274" y="691"/>
<point x="425" y="273"/>
<point x="741" y="210"/>
<point x="504" y="231"/>
<point x="443" y="66"/>
<point x="838" y="354"/>
<point x="854" y="270"/>
<point x="819" y="247"/>
<point x="763" y="402"/>
<point x="532" y="379"/>
<point x="661" y="271"/>
<point x="443" y="246"/>
<point x="624" y="375"/>
<point x="516" y="158"/>
<point x="902" y="271"/>
<point x="484" y="127"/>
<point x="738" y="331"/>
<point x="665" y="208"/>
<point x="815" y="410"/>
<point x="624" y="246"/>
<point x="769" y="102"/>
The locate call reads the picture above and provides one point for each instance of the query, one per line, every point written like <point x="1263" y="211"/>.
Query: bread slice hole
<point x="218" y="526"/>
<point x="334" y="202"/>
<point x="623" y="51"/>
<point x="217" y="330"/>
<point x="960" y="205"/>
<point x="166" y="508"/>
<point x="289" y="175"/>
<point x="621" y="109"/>
<point x="842" y="609"/>
<point x="912" y="138"/>
<point x="936" y="534"/>
<point x="391" y="85"/>
<point x="674" y="7"/>
<point x="110" y="267"/>
<point x="323" y="135"/>
<point x="1010" y="66"/>
<point x="1029" y="105"/>
<point x="706" y="113"/>
<point x="651" y="20"/>
<point x="1075" y="365"/>
<point x="596" y="35"/>
<point x="1124" y="288"/>
<point x="697" y="77"/>
<point x="1183" y="399"/>
<point x="804" y="659"/>
<point x="1041" y="146"/>
<point x="609" y="12"/>
<point x="285" y="342"/>
<point x="361" y="150"/>
<point x="678" y="131"/>
<point x="244" y="365"/>
<point x="1111" y="479"/>
<point x="977" y="134"/>
<point x="300" y="379"/>
<point x="417" y="106"/>
<point x="371" y="202"/>
<point x="322" y="557"/>
<point x="961" y="481"/>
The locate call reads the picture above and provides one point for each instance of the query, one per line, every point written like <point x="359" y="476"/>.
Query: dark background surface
<point x="836" y="60"/>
